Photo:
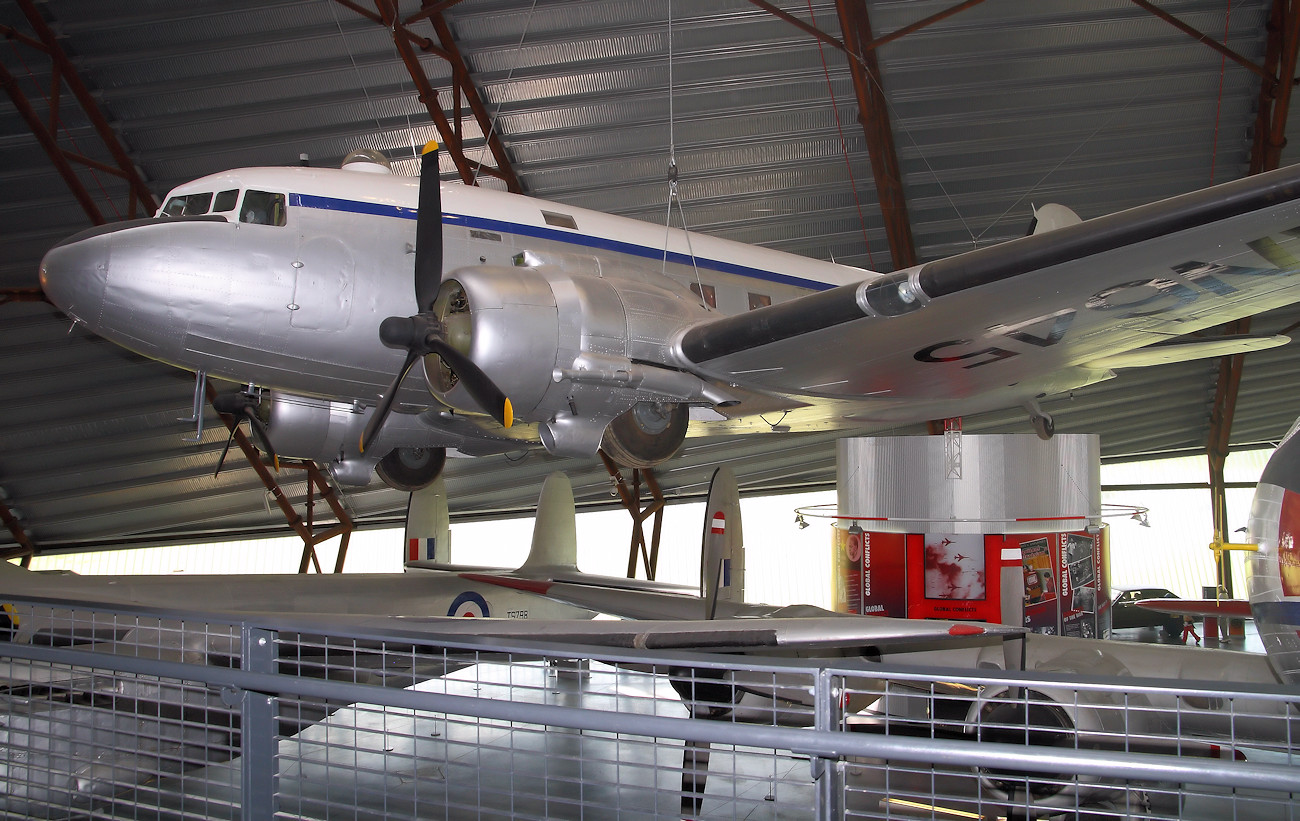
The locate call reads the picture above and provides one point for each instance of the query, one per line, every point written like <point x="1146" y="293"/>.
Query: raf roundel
<point x="469" y="605"/>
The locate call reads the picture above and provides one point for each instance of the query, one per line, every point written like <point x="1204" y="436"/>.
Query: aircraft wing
<point x="716" y="634"/>
<point x="676" y="621"/>
<point x="1051" y="312"/>
<point x="1235" y="608"/>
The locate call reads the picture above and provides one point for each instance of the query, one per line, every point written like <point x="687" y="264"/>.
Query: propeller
<point x="423" y="334"/>
<point x="243" y="406"/>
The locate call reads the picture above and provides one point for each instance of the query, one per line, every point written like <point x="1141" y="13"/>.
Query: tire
<point x="409" y="469"/>
<point x="646" y="435"/>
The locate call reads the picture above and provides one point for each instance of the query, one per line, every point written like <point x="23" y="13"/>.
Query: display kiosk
<point x="1004" y="529"/>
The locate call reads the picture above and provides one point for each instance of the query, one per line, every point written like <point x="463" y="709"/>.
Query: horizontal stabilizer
<point x="1185" y="350"/>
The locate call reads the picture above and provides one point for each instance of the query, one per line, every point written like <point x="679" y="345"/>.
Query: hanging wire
<point x="844" y="146"/>
<point x="975" y="238"/>
<point x="673" y="193"/>
<point x="370" y="103"/>
<point x="492" y="125"/>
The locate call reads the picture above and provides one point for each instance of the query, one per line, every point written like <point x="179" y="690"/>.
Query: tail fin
<point x="555" y="533"/>
<point x="1274" y="582"/>
<point x="722" y="550"/>
<point x="428" y="525"/>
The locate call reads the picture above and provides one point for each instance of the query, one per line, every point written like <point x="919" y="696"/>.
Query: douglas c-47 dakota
<point x="535" y="321"/>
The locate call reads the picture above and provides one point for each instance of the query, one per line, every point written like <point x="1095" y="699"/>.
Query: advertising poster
<point x="954" y="567"/>
<point x="1041" y="601"/>
<point x="884" y="574"/>
<point x="949" y="577"/>
<point x="847" y="570"/>
<point x="1079" y="560"/>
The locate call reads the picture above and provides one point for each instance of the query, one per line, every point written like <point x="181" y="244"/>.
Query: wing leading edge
<point x="1071" y="299"/>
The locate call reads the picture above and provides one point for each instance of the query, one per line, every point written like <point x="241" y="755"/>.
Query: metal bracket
<point x="196" y="415"/>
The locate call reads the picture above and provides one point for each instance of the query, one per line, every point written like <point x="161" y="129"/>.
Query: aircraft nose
<point x="74" y="272"/>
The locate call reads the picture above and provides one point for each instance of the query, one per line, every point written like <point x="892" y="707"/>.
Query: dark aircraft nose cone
<point x="74" y="272"/>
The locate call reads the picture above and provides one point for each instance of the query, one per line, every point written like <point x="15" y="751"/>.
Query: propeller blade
<point x="428" y="230"/>
<point x="422" y="333"/>
<point x="243" y="406"/>
<point x="477" y="384"/>
<point x="385" y="406"/>
<point x="224" y="452"/>
<point x="259" y="430"/>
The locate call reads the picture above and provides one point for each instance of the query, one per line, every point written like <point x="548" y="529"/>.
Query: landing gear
<point x="646" y="435"/>
<point x="410" y="469"/>
<point x="1042" y="421"/>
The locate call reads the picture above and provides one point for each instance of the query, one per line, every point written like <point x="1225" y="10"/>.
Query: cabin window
<point x="560" y="220"/>
<point x="225" y="201"/>
<point x="759" y="301"/>
<point x="262" y="208"/>
<point x="188" y="205"/>
<point x="705" y="292"/>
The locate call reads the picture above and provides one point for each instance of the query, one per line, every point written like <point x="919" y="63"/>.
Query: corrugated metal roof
<point x="1094" y="103"/>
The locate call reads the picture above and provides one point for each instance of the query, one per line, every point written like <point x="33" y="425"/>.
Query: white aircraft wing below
<point x="702" y="634"/>
<point x="678" y="621"/>
<point x="1054" y="310"/>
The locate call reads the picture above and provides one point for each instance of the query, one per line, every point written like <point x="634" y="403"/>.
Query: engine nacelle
<point x="306" y="427"/>
<point x="572" y="352"/>
<point x="1044" y="718"/>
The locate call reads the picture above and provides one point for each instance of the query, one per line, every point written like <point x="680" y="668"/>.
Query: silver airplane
<point x="539" y="322"/>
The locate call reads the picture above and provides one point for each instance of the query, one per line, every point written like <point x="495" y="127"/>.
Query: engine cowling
<point x="326" y="432"/>
<point x="574" y="353"/>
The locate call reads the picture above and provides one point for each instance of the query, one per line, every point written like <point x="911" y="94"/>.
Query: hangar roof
<point x="991" y="108"/>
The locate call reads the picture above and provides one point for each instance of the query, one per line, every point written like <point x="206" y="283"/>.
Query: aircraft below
<point x="1208" y="608"/>
<point x="539" y="324"/>
<point x="1088" y="719"/>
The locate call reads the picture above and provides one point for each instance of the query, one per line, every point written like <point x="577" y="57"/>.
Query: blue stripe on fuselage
<point x="569" y="237"/>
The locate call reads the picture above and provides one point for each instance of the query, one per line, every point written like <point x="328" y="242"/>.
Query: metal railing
<point x="136" y="713"/>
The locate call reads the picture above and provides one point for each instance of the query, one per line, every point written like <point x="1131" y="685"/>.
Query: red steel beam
<point x="873" y="113"/>
<point x="25" y="549"/>
<point x="1270" y="137"/>
<point x="64" y="73"/>
<point x="407" y="42"/>
<point x="1204" y="39"/>
<point x="1275" y="91"/>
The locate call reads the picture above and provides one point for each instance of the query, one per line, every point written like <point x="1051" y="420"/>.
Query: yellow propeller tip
<point x="361" y="443"/>
<point x="431" y="145"/>
<point x="509" y="414"/>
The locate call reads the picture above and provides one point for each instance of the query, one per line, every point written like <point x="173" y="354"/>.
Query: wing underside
<point x="1056" y="309"/>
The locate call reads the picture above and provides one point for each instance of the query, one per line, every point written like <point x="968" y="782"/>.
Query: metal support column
<point x="257" y="730"/>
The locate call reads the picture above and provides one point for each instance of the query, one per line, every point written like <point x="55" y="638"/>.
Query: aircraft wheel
<point x="646" y="435"/>
<point x="1044" y="425"/>
<point x="410" y="469"/>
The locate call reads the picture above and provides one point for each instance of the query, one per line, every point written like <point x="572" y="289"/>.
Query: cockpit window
<point x="225" y="201"/>
<point x="263" y="208"/>
<point x="188" y="205"/>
